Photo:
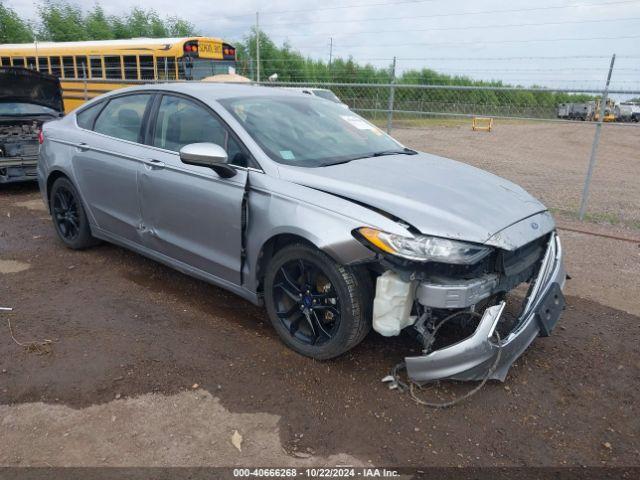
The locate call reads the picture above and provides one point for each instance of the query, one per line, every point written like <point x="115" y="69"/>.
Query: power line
<point x="484" y="12"/>
<point x="441" y="44"/>
<point x="473" y="27"/>
<point x="335" y="7"/>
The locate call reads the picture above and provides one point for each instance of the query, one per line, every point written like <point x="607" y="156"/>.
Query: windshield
<point x="22" y="108"/>
<point x="327" y="95"/>
<point x="306" y="131"/>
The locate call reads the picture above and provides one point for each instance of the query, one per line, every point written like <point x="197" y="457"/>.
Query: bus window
<point x="112" y="67"/>
<point x="55" y="66"/>
<point x="181" y="67"/>
<point x="166" y="67"/>
<point x="96" y="67"/>
<point x="18" y="62"/>
<point x="6" y="61"/>
<point x="43" y="64"/>
<point x="146" y="67"/>
<point x="31" y="62"/>
<point x="130" y="67"/>
<point x="67" y="67"/>
<point x="82" y="67"/>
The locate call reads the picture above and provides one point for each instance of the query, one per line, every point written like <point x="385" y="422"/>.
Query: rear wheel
<point x="69" y="217"/>
<point x="319" y="308"/>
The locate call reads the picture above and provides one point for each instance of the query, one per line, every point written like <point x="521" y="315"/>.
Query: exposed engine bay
<point x="18" y="149"/>
<point x="28" y="98"/>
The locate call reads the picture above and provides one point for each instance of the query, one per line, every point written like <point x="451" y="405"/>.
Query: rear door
<point x="107" y="162"/>
<point x="191" y="214"/>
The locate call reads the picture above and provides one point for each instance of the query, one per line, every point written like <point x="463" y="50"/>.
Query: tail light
<point x="40" y="137"/>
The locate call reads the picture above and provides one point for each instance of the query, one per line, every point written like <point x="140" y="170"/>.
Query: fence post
<point x="258" y="47"/>
<point x="84" y="78"/>
<point x="392" y="91"/>
<point x="596" y="141"/>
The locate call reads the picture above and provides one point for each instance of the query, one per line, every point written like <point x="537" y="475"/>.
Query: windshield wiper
<point x="381" y="153"/>
<point x="404" y="151"/>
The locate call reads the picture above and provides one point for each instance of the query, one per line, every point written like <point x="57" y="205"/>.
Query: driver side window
<point x="180" y="122"/>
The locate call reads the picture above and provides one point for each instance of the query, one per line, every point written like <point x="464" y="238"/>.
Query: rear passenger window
<point x="181" y="122"/>
<point x="86" y="117"/>
<point x="122" y="117"/>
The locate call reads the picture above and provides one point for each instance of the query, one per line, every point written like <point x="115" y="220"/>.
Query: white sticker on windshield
<point x="357" y="122"/>
<point x="287" y="155"/>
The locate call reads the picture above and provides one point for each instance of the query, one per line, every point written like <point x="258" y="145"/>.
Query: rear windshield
<point x="327" y="95"/>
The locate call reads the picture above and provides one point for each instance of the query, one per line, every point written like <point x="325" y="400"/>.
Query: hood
<point x="438" y="196"/>
<point x="30" y="86"/>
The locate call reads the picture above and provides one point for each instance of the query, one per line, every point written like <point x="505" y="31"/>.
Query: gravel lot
<point x="150" y="367"/>
<point x="550" y="160"/>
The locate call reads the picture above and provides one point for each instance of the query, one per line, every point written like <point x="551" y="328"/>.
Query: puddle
<point x="13" y="266"/>
<point x="35" y="204"/>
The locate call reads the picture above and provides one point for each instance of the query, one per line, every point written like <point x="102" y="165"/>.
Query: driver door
<point x="191" y="214"/>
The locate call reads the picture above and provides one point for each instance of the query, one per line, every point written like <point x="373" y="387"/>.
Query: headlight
<point x="423" y="248"/>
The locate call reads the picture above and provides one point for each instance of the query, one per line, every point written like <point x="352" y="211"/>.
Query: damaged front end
<point x="28" y="98"/>
<point x="18" y="149"/>
<point x="517" y="293"/>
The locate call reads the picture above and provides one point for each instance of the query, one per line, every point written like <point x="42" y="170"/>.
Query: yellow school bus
<point x="88" y="69"/>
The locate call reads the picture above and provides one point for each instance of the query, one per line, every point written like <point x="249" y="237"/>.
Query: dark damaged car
<point x="27" y="99"/>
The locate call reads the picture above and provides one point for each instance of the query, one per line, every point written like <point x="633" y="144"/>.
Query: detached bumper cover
<point x="470" y="359"/>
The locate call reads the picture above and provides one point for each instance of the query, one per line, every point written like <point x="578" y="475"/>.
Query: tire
<point x="68" y="215"/>
<point x="345" y="290"/>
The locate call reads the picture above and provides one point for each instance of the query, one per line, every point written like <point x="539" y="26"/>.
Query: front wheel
<point x="319" y="308"/>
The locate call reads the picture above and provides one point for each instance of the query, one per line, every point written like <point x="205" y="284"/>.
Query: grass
<point x="598" y="217"/>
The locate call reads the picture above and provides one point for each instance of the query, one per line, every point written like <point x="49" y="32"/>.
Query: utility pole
<point x="330" y="51"/>
<point x="258" y="46"/>
<point x="596" y="141"/>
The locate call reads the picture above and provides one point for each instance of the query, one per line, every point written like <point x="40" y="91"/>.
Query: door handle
<point x="82" y="147"/>
<point x="155" y="164"/>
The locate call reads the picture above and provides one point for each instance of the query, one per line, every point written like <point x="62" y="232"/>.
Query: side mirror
<point x="209" y="155"/>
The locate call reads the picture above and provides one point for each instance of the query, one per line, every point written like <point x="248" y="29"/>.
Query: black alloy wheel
<point x="307" y="303"/>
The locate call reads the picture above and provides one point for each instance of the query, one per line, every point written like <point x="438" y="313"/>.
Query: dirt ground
<point x="550" y="160"/>
<point x="147" y="366"/>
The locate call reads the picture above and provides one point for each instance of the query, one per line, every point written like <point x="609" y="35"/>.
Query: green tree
<point x="97" y="25"/>
<point x="12" y="28"/>
<point x="61" y="22"/>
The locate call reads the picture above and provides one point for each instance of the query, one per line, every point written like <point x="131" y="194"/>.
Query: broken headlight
<point x="423" y="248"/>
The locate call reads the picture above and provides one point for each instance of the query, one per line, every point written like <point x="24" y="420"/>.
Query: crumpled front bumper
<point x="471" y="359"/>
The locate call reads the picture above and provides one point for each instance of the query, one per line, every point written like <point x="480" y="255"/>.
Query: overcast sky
<point x="453" y="36"/>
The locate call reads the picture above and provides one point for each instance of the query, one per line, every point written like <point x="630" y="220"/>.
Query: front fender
<point x="277" y="207"/>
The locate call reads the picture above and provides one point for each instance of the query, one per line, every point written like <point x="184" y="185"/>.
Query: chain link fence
<point x="527" y="143"/>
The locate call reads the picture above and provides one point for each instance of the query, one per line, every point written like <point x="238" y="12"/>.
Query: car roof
<point x="209" y="90"/>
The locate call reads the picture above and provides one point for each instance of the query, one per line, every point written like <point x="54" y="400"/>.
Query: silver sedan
<point x="295" y="203"/>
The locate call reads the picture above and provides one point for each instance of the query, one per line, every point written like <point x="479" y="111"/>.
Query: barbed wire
<point x="459" y="14"/>
<point x="468" y="27"/>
